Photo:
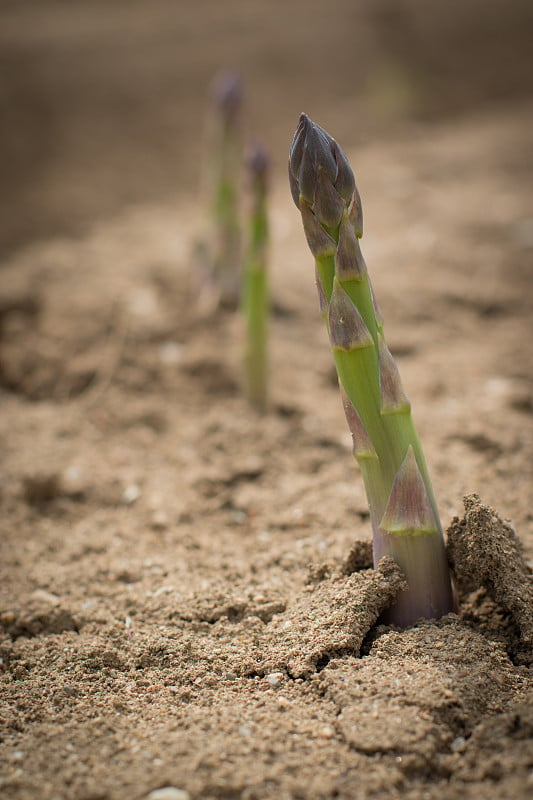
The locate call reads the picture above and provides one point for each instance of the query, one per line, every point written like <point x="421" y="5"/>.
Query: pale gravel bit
<point x="131" y="494"/>
<point x="48" y="598"/>
<point x="168" y="793"/>
<point x="73" y="481"/>
<point x="275" y="678"/>
<point x="458" y="745"/>
<point x="171" y="353"/>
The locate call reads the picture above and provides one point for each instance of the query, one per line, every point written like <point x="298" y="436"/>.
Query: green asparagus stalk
<point x="403" y="510"/>
<point x="255" y="282"/>
<point x="227" y="97"/>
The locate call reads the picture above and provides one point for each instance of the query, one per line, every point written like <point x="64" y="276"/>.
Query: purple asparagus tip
<point x="258" y="161"/>
<point x="227" y="93"/>
<point x="319" y="173"/>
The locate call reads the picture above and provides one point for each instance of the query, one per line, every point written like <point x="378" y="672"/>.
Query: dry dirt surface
<point x="187" y="605"/>
<point x="176" y="611"/>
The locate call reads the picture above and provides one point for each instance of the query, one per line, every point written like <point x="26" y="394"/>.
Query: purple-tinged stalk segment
<point x="403" y="509"/>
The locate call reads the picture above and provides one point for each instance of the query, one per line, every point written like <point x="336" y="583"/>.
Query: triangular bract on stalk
<point x="347" y="330"/>
<point x="393" y="398"/>
<point x="319" y="241"/>
<point x="409" y="508"/>
<point x="362" y="443"/>
<point x="349" y="261"/>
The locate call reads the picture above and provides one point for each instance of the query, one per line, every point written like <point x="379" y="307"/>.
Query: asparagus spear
<point x="255" y="282"/>
<point x="403" y="510"/>
<point x="226" y="159"/>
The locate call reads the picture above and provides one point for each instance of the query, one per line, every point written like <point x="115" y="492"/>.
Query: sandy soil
<point x="182" y="613"/>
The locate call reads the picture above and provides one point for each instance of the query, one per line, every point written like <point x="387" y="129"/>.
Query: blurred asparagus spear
<point x="255" y="282"/>
<point x="226" y="158"/>
<point x="403" y="511"/>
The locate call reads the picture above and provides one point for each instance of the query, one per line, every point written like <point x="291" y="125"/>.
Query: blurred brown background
<point x="102" y="102"/>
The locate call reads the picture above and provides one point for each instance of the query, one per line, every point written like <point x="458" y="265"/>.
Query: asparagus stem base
<point x="420" y="556"/>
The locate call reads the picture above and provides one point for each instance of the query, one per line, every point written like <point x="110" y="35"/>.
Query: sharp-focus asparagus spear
<point x="405" y="519"/>
<point x="255" y="282"/>
<point x="226" y="160"/>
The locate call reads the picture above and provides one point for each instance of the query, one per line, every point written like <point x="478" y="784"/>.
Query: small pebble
<point x="275" y="678"/>
<point x="73" y="481"/>
<point x="458" y="745"/>
<point x="168" y="793"/>
<point x="130" y="494"/>
<point x="171" y="353"/>
<point x="48" y="598"/>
